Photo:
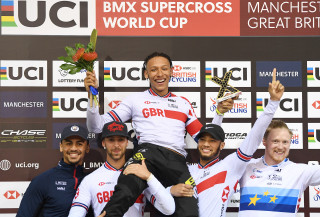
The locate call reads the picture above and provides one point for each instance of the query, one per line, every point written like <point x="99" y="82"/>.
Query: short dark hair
<point x="155" y="54"/>
<point x="276" y="124"/>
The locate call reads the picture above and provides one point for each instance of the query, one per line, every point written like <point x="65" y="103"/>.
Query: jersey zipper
<point x="75" y="177"/>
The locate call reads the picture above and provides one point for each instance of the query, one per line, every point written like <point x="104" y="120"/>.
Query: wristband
<point x="150" y="177"/>
<point x="219" y="113"/>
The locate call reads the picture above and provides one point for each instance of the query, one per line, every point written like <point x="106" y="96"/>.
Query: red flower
<point x="90" y="56"/>
<point x="78" y="55"/>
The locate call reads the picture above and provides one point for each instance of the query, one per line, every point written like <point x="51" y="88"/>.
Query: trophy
<point x="224" y="86"/>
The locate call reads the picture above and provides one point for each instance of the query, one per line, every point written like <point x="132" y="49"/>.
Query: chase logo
<point x="241" y="75"/>
<point x="20" y="73"/>
<point x="313" y="74"/>
<point x="290" y="105"/>
<point x="124" y="73"/>
<point x="289" y="73"/>
<point x="36" y="17"/>
<point x="69" y="104"/>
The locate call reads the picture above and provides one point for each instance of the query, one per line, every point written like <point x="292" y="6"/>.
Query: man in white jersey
<point x="160" y="119"/>
<point x="217" y="179"/>
<point x="97" y="188"/>
<point x="272" y="185"/>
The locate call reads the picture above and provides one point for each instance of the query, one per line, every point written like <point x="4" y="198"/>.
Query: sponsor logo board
<point x="69" y="104"/>
<point x="11" y="194"/>
<point x="241" y="107"/>
<point x="313" y="136"/>
<point x="23" y="73"/>
<point x="313" y="104"/>
<point x="23" y="104"/>
<point x="61" y="78"/>
<point x="23" y="135"/>
<point x="241" y="75"/>
<point x="289" y="73"/>
<point x="5" y="165"/>
<point x="290" y="104"/>
<point x="313" y="74"/>
<point x="129" y="74"/>
<point x="71" y="17"/>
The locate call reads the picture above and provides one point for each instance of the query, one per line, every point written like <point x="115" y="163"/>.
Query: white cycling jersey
<point x="157" y="120"/>
<point x="96" y="189"/>
<point x="272" y="191"/>
<point x="217" y="180"/>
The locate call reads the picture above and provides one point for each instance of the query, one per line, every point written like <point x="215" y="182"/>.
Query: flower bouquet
<point x="81" y="59"/>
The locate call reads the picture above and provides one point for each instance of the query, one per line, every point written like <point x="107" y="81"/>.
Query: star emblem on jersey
<point x="114" y="127"/>
<point x="11" y="195"/>
<point x="266" y="193"/>
<point x="225" y="194"/>
<point x="253" y="200"/>
<point x="273" y="199"/>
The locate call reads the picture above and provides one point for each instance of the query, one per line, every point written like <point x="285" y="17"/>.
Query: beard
<point x="212" y="156"/>
<point x="115" y="156"/>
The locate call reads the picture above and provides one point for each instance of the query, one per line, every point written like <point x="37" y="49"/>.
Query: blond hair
<point x="276" y="124"/>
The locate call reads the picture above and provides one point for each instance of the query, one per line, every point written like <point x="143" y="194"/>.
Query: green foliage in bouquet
<point x="79" y="57"/>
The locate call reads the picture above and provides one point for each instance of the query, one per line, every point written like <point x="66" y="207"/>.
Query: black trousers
<point x="167" y="166"/>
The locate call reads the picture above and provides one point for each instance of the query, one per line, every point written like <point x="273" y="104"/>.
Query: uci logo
<point x="133" y="73"/>
<point x="23" y="73"/>
<point x="287" y="104"/>
<point x="54" y="13"/>
<point x="70" y="104"/>
<point x="29" y="73"/>
<point x="243" y="70"/>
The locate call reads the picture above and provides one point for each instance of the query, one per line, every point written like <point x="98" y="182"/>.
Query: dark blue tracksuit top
<point x="51" y="193"/>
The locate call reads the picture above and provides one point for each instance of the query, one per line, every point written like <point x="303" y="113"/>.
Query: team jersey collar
<point x="209" y="164"/>
<point x="71" y="167"/>
<point x="108" y="166"/>
<point x="277" y="165"/>
<point x="153" y="93"/>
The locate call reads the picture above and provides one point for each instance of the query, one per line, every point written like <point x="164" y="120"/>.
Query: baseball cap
<point x="114" y="128"/>
<point x="74" y="130"/>
<point x="214" y="130"/>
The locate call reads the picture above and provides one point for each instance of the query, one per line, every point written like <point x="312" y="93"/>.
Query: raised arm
<point x="158" y="196"/>
<point x="254" y="138"/>
<point x="95" y="121"/>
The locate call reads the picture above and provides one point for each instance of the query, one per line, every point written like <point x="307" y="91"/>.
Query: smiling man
<point x="273" y="185"/>
<point x="160" y="120"/>
<point x="50" y="194"/>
